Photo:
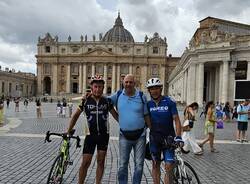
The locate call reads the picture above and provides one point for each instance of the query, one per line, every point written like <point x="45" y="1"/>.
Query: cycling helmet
<point x="97" y="78"/>
<point x="154" y="82"/>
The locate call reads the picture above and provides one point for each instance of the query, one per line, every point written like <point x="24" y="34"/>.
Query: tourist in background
<point x="243" y="112"/>
<point x="187" y="127"/>
<point x="209" y="126"/>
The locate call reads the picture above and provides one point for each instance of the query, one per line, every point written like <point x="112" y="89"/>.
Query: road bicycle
<point x="62" y="160"/>
<point x="184" y="173"/>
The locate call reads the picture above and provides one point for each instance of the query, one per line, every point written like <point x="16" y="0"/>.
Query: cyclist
<point x="96" y="108"/>
<point x="163" y="112"/>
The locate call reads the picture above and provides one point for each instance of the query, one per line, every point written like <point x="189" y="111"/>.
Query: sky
<point x="23" y="21"/>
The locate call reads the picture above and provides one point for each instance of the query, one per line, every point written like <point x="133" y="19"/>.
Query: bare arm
<point x="147" y="121"/>
<point x="74" y="119"/>
<point x="114" y="114"/>
<point x="177" y="125"/>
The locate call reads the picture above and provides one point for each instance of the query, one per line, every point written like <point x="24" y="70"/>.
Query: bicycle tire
<point x="194" y="179"/>
<point x="54" y="176"/>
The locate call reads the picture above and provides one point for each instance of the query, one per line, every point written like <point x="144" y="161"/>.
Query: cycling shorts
<point x="157" y="150"/>
<point x="91" y="141"/>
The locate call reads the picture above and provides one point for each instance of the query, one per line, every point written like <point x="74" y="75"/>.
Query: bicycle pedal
<point x="70" y="162"/>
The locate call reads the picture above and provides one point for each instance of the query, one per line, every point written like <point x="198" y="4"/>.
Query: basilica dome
<point x="118" y="33"/>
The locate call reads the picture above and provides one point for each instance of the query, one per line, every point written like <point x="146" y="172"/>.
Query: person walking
<point x="163" y="113"/>
<point x="131" y="105"/>
<point x="38" y="108"/>
<point x="96" y="108"/>
<point x="227" y="111"/>
<point x="210" y="126"/>
<point x="58" y="108"/>
<point x="16" y="104"/>
<point x="243" y="112"/>
<point x="187" y="127"/>
<point x="64" y="106"/>
<point x="8" y="102"/>
<point x="70" y="105"/>
<point x="25" y="103"/>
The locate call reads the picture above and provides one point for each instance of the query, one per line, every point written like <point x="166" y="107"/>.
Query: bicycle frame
<point x="64" y="151"/>
<point x="180" y="162"/>
<point x="63" y="159"/>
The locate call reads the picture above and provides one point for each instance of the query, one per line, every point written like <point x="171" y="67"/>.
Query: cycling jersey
<point x="97" y="114"/>
<point x="162" y="116"/>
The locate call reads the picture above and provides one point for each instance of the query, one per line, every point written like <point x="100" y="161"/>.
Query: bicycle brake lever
<point x="47" y="137"/>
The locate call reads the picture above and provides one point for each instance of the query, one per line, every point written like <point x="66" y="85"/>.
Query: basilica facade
<point x="217" y="56"/>
<point x="66" y="67"/>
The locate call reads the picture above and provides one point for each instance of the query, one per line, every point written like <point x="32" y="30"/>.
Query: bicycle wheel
<point x="189" y="176"/>
<point x="56" y="171"/>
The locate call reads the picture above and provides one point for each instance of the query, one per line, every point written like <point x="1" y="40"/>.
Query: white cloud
<point x="17" y="56"/>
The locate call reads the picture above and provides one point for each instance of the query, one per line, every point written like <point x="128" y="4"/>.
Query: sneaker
<point x="238" y="140"/>
<point x="199" y="153"/>
<point x="244" y="140"/>
<point x="184" y="151"/>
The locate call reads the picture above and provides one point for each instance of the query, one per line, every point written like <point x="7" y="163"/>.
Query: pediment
<point x="99" y="52"/>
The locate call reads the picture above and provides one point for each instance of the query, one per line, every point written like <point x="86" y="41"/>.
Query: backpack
<point x="120" y="92"/>
<point x="236" y="113"/>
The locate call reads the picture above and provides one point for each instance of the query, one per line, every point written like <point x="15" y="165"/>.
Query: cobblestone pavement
<point x="25" y="158"/>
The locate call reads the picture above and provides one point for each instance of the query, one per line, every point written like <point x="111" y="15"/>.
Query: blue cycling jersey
<point x="162" y="116"/>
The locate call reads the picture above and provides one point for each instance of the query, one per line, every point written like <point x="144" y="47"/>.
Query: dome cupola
<point x="118" y="33"/>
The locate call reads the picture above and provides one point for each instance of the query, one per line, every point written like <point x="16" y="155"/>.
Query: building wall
<point x="17" y="84"/>
<point x="208" y="66"/>
<point x="70" y="63"/>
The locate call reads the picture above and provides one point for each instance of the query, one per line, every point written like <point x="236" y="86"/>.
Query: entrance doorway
<point x="47" y="85"/>
<point x="75" y="87"/>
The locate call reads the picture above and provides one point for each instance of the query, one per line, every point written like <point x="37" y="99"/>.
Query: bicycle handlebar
<point x="64" y="136"/>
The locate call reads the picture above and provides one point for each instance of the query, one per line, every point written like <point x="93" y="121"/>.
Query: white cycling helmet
<point x="154" y="82"/>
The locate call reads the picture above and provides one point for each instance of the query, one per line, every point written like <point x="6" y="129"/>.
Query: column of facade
<point x="144" y="78"/>
<point x="248" y="70"/>
<point x="216" y="85"/>
<point x="105" y="77"/>
<point x="80" y="78"/>
<point x="191" y="84"/>
<point x="54" y="79"/>
<point x="130" y="68"/>
<point x="186" y="79"/>
<point x="118" y="77"/>
<point x="183" y="86"/>
<point x="93" y="69"/>
<point x="231" y="86"/>
<point x="84" y="77"/>
<point x="68" y="81"/>
<point x="225" y="79"/>
<point x="39" y="79"/>
<point x="200" y="83"/>
<point x="113" y="78"/>
<point x="220" y="82"/>
<point x="162" y="77"/>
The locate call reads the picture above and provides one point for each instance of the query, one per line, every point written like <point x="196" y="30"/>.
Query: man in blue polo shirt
<point x="243" y="111"/>
<point x="133" y="114"/>
<point x="163" y="113"/>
